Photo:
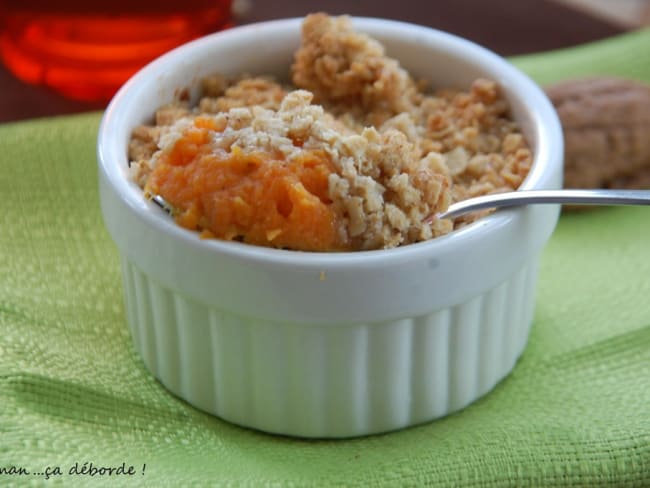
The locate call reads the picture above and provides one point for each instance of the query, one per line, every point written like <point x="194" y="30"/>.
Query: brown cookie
<point x="606" y="123"/>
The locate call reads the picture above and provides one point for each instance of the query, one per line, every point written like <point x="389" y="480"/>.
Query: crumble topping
<point x="396" y="153"/>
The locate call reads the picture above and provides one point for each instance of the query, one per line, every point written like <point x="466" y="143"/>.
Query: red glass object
<point x="88" y="49"/>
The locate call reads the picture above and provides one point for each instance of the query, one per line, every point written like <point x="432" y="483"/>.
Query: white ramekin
<point x="327" y="344"/>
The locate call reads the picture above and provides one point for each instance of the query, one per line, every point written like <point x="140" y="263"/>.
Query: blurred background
<point x="627" y="13"/>
<point x="35" y="35"/>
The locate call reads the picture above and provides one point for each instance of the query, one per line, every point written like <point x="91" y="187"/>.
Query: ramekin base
<point x="329" y="380"/>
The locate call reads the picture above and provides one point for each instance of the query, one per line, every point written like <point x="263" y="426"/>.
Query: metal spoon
<point x="527" y="197"/>
<point x="522" y="197"/>
<point x="162" y="203"/>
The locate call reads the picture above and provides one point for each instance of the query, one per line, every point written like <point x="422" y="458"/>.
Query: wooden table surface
<point x="506" y="26"/>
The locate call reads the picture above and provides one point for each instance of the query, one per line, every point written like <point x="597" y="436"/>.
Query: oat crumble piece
<point x="247" y="92"/>
<point x="344" y="68"/>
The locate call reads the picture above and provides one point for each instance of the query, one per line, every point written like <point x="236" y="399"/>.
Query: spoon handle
<point x="525" y="197"/>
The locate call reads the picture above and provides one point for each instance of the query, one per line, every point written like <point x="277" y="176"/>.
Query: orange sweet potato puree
<point x="258" y="198"/>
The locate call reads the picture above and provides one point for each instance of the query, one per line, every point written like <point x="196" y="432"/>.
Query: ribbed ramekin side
<point x="330" y="380"/>
<point x="491" y="332"/>
<point x="171" y="336"/>
<point x="462" y="352"/>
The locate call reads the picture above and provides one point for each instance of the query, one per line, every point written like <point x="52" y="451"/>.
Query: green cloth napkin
<point x="575" y="411"/>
